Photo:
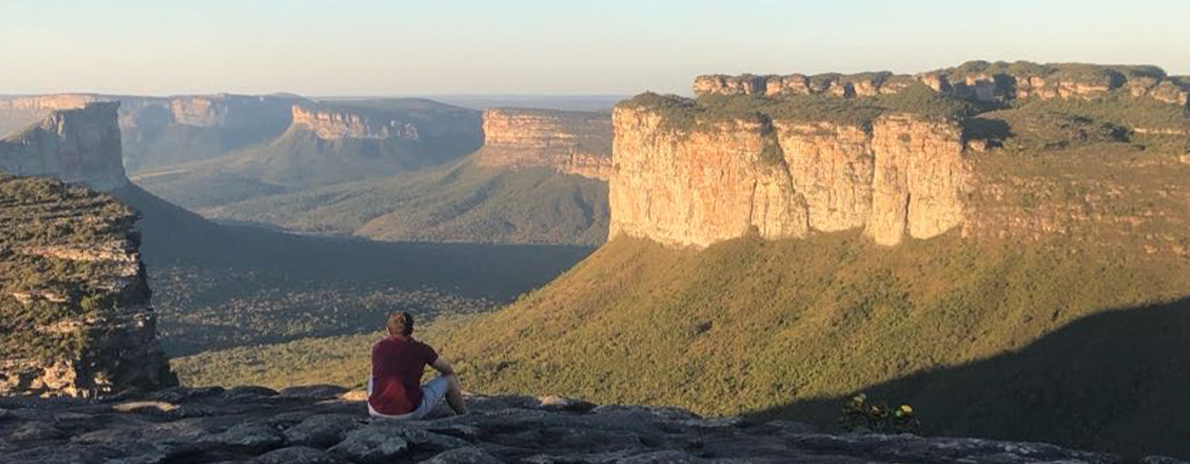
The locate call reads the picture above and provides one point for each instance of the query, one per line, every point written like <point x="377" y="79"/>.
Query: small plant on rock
<point x="861" y="416"/>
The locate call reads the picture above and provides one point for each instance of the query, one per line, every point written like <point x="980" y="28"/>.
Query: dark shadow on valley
<point x="173" y="235"/>
<point x="1116" y="381"/>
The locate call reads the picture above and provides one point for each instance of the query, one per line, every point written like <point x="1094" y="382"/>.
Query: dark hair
<point x="400" y="324"/>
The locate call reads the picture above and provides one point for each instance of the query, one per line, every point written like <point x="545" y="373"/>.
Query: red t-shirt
<point x="397" y="366"/>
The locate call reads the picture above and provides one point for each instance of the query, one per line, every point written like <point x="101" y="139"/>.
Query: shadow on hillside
<point x="172" y="235"/>
<point x="1117" y="381"/>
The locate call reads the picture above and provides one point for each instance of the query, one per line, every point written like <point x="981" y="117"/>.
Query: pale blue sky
<point x="372" y="47"/>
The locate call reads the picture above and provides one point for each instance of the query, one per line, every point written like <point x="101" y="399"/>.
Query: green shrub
<point x="861" y="416"/>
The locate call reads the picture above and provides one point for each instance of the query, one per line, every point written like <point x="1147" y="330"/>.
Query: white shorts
<point x="432" y="394"/>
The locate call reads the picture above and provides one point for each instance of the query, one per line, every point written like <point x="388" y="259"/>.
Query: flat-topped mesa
<point x="334" y="123"/>
<point x="35" y="107"/>
<point x="75" y="317"/>
<point x="80" y="145"/>
<point x="572" y="142"/>
<point x="696" y="185"/>
<point x="975" y="80"/>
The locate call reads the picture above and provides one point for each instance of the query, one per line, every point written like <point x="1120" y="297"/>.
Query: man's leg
<point x="454" y="395"/>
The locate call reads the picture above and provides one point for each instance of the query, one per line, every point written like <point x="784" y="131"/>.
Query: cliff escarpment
<point x="158" y="131"/>
<point x="77" y="145"/>
<point x="331" y="124"/>
<point x="987" y="149"/>
<point x="897" y="174"/>
<point x="75" y="317"/>
<point x="570" y="142"/>
<point x="332" y="142"/>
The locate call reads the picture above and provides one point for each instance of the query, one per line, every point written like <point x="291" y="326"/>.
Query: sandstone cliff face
<point x="568" y="141"/>
<point x="76" y="145"/>
<point x="904" y="175"/>
<point x="334" y="124"/>
<point x="73" y="297"/>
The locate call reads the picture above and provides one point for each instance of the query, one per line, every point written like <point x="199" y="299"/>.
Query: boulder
<point x="295" y="454"/>
<point x="322" y="431"/>
<point x="373" y="444"/>
<point x="248" y="437"/>
<point x="463" y="455"/>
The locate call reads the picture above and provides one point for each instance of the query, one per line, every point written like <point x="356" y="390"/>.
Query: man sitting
<point x="398" y="363"/>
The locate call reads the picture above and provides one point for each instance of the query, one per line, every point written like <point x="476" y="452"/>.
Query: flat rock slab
<point x="318" y="424"/>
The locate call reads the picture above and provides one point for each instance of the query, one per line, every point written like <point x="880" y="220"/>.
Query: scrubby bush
<point x="861" y="416"/>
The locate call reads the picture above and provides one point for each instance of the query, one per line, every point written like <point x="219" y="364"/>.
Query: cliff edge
<point x="324" y="424"/>
<point x="570" y="142"/>
<point x="75" y="317"/>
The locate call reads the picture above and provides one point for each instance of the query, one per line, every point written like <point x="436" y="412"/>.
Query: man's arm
<point x="443" y="367"/>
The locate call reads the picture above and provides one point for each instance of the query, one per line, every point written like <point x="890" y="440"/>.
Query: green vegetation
<point x="39" y="290"/>
<point x="751" y="330"/>
<point x="458" y="202"/>
<point x="1078" y="72"/>
<point x="684" y="114"/>
<point x="861" y="416"/>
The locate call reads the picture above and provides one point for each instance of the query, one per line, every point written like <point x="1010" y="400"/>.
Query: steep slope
<point x="327" y="143"/>
<point x="749" y="325"/>
<point x="537" y="179"/>
<point x="75" y="317"/>
<point x="776" y="254"/>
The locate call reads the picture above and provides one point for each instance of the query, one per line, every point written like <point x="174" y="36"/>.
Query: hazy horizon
<point x="537" y="48"/>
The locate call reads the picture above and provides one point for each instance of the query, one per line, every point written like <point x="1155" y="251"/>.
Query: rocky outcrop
<point x="77" y="145"/>
<point x="568" y="141"/>
<point x="976" y="80"/>
<point x="259" y="425"/>
<point x="834" y="84"/>
<point x="75" y="318"/>
<point x="902" y="175"/>
<point x="331" y="123"/>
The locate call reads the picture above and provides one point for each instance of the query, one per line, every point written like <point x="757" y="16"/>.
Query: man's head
<point x="400" y="324"/>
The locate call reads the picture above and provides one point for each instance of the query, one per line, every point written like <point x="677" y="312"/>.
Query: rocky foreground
<point x="322" y="424"/>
